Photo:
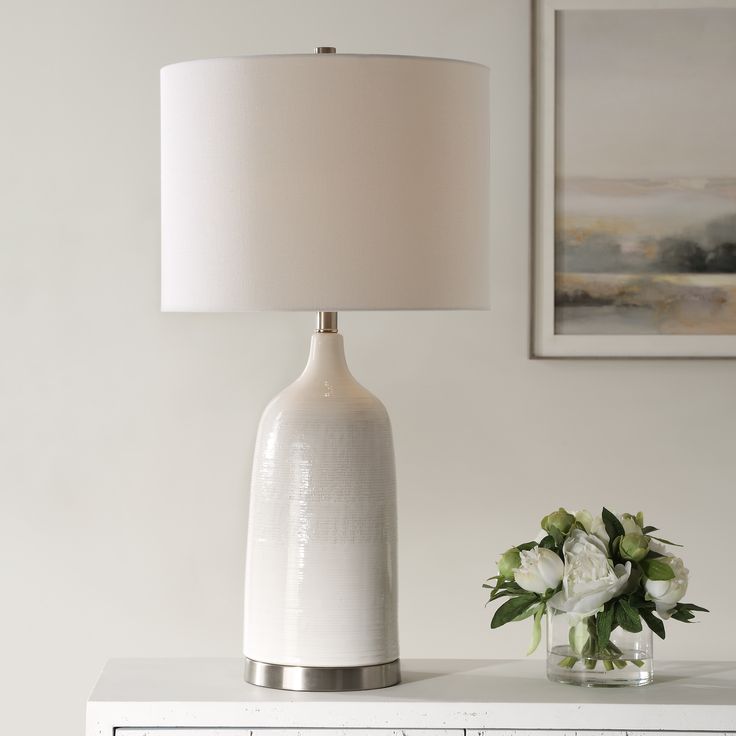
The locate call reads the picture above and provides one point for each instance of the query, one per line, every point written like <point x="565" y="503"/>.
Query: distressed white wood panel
<point x="487" y="697"/>
<point x="287" y="732"/>
<point x="580" y="732"/>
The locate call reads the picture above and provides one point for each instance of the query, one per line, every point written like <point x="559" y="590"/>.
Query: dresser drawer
<point x="288" y="732"/>
<point x="612" y="732"/>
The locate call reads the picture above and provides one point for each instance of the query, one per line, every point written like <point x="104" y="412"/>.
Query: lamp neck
<point x="326" y="322"/>
<point x="326" y="366"/>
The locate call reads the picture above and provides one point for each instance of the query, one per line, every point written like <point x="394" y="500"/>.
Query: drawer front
<point x="288" y="732"/>
<point x="561" y="732"/>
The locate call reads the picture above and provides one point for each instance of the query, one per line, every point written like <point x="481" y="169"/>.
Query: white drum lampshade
<point x="324" y="182"/>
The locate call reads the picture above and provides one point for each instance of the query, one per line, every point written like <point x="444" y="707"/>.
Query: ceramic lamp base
<point x="320" y="583"/>
<point x="322" y="679"/>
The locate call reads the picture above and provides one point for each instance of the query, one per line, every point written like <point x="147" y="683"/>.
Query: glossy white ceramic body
<point x="320" y="581"/>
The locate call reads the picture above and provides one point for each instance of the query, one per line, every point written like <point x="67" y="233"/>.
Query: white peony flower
<point x="585" y="518"/>
<point x="540" y="570"/>
<point x="656" y="546"/>
<point x="666" y="593"/>
<point x="589" y="579"/>
<point x="598" y="529"/>
<point x="594" y="524"/>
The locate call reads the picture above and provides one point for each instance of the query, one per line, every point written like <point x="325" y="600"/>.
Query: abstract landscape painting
<point x="645" y="172"/>
<point x="646" y="256"/>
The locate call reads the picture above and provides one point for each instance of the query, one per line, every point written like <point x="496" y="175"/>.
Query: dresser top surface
<point x="486" y="683"/>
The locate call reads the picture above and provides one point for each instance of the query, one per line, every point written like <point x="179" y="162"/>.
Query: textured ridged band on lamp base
<point x="320" y="583"/>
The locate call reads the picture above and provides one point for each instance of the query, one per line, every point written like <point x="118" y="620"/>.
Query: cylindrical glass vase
<point x="575" y="655"/>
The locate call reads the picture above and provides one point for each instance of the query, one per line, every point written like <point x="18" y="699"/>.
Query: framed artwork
<point x="635" y="179"/>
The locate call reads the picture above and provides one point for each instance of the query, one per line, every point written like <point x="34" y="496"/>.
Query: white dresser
<point x="208" y="697"/>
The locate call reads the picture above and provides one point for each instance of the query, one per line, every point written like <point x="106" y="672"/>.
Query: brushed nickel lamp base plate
<point x="322" y="679"/>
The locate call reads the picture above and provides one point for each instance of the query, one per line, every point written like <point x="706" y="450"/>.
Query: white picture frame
<point x="545" y="343"/>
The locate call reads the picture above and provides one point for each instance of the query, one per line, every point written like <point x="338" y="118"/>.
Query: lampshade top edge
<point x="246" y="57"/>
<point x="235" y="310"/>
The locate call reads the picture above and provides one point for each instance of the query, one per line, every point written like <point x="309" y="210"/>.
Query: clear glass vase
<point x="575" y="657"/>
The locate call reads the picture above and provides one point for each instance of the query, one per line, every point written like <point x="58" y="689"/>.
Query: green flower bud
<point x="510" y="560"/>
<point x="560" y="520"/>
<point x="630" y="524"/>
<point x="634" y="547"/>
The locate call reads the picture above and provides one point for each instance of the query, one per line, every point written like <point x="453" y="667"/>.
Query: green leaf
<point x="536" y="629"/>
<point x="512" y="608"/>
<point x="652" y="555"/>
<point x="590" y="648"/>
<point x="692" y="607"/>
<point x="649" y="529"/>
<point x="526" y="546"/>
<point x="684" y="616"/>
<point x="612" y="524"/>
<point x="627" y="617"/>
<point x="508" y="585"/>
<point x="557" y="535"/>
<point x="604" y="624"/>
<point x="666" y="541"/>
<point x="526" y="614"/>
<point x="653" y="623"/>
<point x="498" y="582"/>
<point x="637" y="600"/>
<point x="500" y="594"/>
<point x="657" y="570"/>
<point x="548" y="543"/>
<point x="578" y="636"/>
<point x="502" y="591"/>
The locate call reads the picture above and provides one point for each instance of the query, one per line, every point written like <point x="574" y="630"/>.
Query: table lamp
<point x="324" y="182"/>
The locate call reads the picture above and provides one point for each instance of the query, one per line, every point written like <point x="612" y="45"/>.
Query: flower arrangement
<point x="603" y="573"/>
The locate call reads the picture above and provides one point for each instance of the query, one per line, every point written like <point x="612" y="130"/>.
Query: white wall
<point x="125" y="434"/>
